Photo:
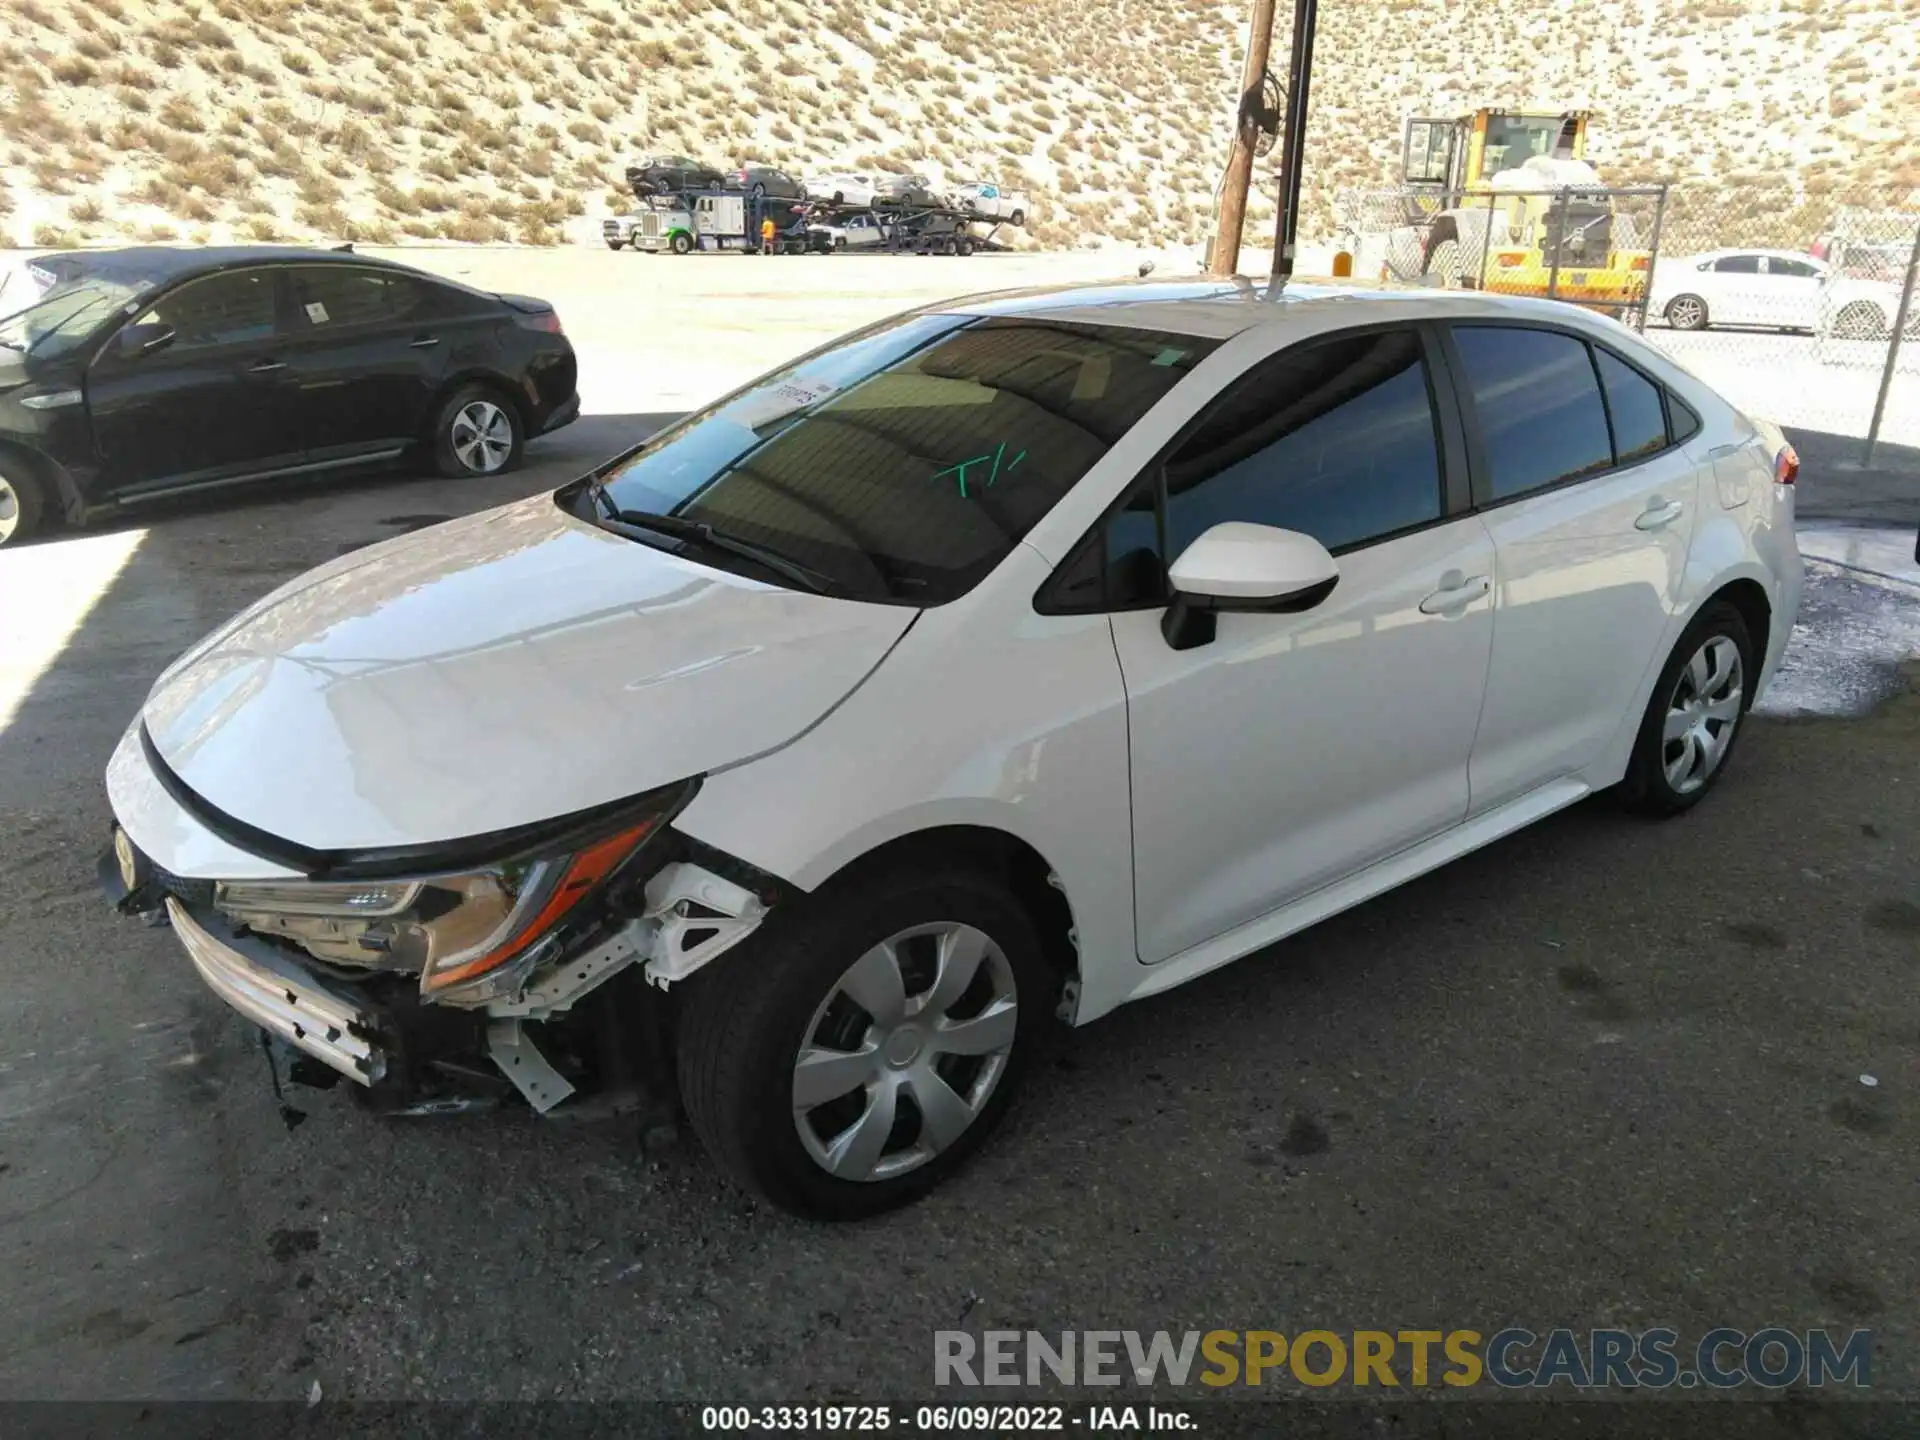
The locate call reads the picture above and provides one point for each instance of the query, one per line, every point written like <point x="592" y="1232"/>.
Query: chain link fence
<point x="1797" y="306"/>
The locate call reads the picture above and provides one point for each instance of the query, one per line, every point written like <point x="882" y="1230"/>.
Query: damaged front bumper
<point x="282" y="997"/>
<point x="581" y="1020"/>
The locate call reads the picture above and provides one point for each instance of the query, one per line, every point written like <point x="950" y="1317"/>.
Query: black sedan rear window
<point x="906" y="463"/>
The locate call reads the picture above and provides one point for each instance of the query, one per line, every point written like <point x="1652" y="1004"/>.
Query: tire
<point x="748" y="1017"/>
<point x="1650" y="785"/>
<point x="1860" y="320"/>
<point x="613" y="244"/>
<point x="22" y="502"/>
<point x="1445" y="263"/>
<point x="1017" y="219"/>
<point x="964" y="245"/>
<point x="1687" y="312"/>
<point x="681" y="242"/>
<point x="477" y="432"/>
<point x="759" y="191"/>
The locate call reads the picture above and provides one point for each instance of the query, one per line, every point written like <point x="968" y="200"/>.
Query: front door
<point x="1293" y="750"/>
<point x="1591" y="508"/>
<point x="1739" y="291"/>
<point x="365" y="359"/>
<point x="208" y="406"/>
<point x="1793" y="292"/>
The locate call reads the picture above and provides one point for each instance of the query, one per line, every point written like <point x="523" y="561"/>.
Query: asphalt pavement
<point x="1605" y="1072"/>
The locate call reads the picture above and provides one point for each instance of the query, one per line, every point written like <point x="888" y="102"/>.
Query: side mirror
<point x="138" y="340"/>
<point x="1240" y="566"/>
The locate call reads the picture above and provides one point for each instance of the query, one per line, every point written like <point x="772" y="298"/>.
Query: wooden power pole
<point x="1233" y="191"/>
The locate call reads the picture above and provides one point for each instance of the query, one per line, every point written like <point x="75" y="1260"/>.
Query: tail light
<point x="1786" y="466"/>
<point x="1510" y="260"/>
<point x="1640" y="262"/>
<point x="547" y="320"/>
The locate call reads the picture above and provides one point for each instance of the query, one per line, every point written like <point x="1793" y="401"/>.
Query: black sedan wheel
<point x="20" y="503"/>
<point x="478" y="433"/>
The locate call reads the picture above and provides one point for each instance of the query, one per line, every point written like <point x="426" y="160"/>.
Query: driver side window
<point x="1336" y="438"/>
<point x="225" y="309"/>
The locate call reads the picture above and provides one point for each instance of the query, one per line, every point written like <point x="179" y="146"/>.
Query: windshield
<point x="1512" y="140"/>
<point x="906" y="462"/>
<point x="67" y="314"/>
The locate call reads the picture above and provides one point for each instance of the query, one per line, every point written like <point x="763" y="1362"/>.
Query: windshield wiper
<point x="678" y="527"/>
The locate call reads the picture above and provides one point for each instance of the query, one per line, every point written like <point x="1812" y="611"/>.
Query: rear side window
<point x="1538" y="402"/>
<point x="1738" y="265"/>
<point x="1335" y="439"/>
<point x="331" y="297"/>
<point x="1633" y="401"/>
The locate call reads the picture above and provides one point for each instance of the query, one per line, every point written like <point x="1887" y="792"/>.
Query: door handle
<point x="1721" y="452"/>
<point x="1658" y="514"/>
<point x="424" y="342"/>
<point x="1456" y="592"/>
<point x="266" y="367"/>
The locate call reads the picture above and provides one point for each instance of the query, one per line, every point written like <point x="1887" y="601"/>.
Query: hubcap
<point x="9" y="510"/>
<point x="482" y="436"/>
<point x="1702" y="715"/>
<point x="905" y="1051"/>
<point x="1684" y="313"/>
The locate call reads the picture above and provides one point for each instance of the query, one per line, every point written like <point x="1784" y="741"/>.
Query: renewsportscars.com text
<point x="1513" y="1358"/>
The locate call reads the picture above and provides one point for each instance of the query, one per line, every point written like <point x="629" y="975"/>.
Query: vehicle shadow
<point x="1836" y="484"/>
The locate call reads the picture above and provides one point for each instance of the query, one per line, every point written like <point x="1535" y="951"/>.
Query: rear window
<point x="907" y="462"/>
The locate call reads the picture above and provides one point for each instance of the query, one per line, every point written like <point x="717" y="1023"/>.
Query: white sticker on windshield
<point x="317" y="313"/>
<point x="777" y="401"/>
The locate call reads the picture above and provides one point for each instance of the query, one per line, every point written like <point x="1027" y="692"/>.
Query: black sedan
<point x="128" y="375"/>
<point x="671" y="175"/>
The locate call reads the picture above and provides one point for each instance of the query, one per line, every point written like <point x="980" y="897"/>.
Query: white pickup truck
<point x="990" y="200"/>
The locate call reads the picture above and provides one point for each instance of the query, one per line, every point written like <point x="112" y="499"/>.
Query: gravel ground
<point x="1602" y="1073"/>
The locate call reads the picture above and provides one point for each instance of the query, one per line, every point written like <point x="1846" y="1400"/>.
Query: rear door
<point x="1793" y="292"/>
<point x="211" y="405"/>
<point x="365" y="359"/>
<point x="1591" y="507"/>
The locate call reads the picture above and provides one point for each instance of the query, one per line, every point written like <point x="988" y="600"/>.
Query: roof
<point x="172" y="262"/>
<point x="1222" y="308"/>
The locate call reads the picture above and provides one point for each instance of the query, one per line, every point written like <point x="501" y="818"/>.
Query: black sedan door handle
<point x="266" y="367"/>
<point x="424" y="342"/>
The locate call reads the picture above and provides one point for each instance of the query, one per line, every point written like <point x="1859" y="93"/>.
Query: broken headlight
<point x="473" y="935"/>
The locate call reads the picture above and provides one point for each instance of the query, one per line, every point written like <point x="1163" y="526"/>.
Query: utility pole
<point x="1233" y="191"/>
<point x="1293" y="145"/>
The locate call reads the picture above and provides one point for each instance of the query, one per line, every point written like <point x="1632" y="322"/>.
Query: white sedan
<point x="842" y="187"/>
<point x="1019" y="658"/>
<point x="1774" y="289"/>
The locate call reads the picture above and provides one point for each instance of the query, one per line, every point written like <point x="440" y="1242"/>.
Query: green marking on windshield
<point x="996" y="456"/>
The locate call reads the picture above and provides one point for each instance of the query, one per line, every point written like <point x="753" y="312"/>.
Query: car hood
<point x="508" y="668"/>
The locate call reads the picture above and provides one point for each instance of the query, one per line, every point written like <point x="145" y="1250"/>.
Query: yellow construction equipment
<point x="1505" y="200"/>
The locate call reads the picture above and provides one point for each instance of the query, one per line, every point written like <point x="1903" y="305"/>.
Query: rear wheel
<point x="613" y="244"/>
<point x="477" y="433"/>
<point x="22" y="506"/>
<point x="1444" y="263"/>
<point x="848" y="1061"/>
<point x="681" y="242"/>
<point x="1860" y="320"/>
<point x="1017" y="218"/>
<point x="1694" y="716"/>
<point x="1687" y="312"/>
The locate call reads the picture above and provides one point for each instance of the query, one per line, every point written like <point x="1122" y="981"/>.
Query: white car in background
<point x="855" y="232"/>
<point x="1021" y="657"/>
<point x="1772" y="289"/>
<point x="842" y="187"/>
<point x="991" y="200"/>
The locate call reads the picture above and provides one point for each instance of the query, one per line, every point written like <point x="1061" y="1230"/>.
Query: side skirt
<point x="1361" y="886"/>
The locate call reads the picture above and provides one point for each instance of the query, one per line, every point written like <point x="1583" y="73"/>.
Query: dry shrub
<point x="298" y="61"/>
<point x="87" y="211"/>
<point x="72" y="70"/>
<point x="52" y="237"/>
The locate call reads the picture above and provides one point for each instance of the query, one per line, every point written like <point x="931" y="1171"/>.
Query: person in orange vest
<point x="766" y="235"/>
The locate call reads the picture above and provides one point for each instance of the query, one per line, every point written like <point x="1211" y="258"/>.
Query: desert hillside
<point x="491" y="120"/>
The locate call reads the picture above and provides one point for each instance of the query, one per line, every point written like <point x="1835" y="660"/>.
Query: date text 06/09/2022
<point x="935" y="1419"/>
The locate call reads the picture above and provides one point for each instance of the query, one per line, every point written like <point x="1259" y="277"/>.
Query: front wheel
<point x="1017" y="219"/>
<point x="681" y="242"/>
<point x="21" y="504"/>
<point x="1694" y="717"/>
<point x="849" y="1060"/>
<point x="477" y="433"/>
<point x="1687" y="312"/>
<point x="614" y="244"/>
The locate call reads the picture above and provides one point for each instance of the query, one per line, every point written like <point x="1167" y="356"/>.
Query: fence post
<point x="1893" y="352"/>
<point x="1653" y="260"/>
